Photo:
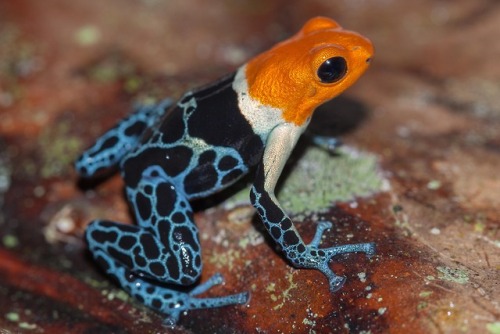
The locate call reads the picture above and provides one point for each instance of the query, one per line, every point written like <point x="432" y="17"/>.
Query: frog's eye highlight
<point x="332" y="70"/>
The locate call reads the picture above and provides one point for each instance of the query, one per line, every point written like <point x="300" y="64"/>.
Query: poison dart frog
<point x="171" y="153"/>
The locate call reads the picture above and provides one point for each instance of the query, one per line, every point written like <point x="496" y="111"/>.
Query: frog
<point x="172" y="153"/>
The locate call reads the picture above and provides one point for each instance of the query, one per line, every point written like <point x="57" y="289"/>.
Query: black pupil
<point x="332" y="70"/>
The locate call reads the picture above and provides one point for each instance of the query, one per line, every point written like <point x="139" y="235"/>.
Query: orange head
<point x="308" y="69"/>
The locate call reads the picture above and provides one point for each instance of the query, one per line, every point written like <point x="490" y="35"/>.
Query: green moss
<point x="15" y="317"/>
<point x="59" y="150"/>
<point x="422" y="306"/>
<point x="286" y="293"/>
<point x="114" y="68"/>
<point x="27" y="325"/>
<point x="10" y="241"/>
<point x="118" y="294"/>
<point x="122" y="295"/>
<point x="97" y="284"/>
<point x="225" y="259"/>
<point x="104" y="73"/>
<point x="425" y="294"/>
<point x="12" y="316"/>
<point x="319" y="179"/>
<point x="87" y="35"/>
<point x="434" y="184"/>
<point x="18" y="60"/>
<point x="132" y="84"/>
<point x="493" y="328"/>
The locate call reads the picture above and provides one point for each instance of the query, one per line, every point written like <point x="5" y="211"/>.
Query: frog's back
<point x="203" y="140"/>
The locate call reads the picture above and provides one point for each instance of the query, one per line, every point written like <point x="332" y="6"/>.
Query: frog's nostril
<point x="368" y="60"/>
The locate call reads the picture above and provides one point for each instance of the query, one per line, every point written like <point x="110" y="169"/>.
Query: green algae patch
<point x="10" y="241"/>
<point x="493" y="328"/>
<point x="18" y="61"/>
<point x="280" y="295"/>
<point x="115" y="68"/>
<point x="87" y="35"/>
<point x="425" y="294"/>
<point x="320" y="179"/>
<point x="225" y="259"/>
<point x="15" y="317"/>
<point x="59" y="148"/>
<point x="453" y="275"/>
<point x="12" y="316"/>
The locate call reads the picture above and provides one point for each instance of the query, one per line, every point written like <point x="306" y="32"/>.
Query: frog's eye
<point x="332" y="70"/>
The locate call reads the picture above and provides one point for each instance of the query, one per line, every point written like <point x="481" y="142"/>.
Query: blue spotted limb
<point x="162" y="251"/>
<point x="111" y="147"/>
<point x="161" y="298"/>
<point x="282" y="140"/>
<point x="163" y="248"/>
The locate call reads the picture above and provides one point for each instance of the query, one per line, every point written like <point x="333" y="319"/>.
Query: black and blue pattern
<point x="284" y="233"/>
<point x="114" y="145"/>
<point x="168" y="155"/>
<point x="165" y="165"/>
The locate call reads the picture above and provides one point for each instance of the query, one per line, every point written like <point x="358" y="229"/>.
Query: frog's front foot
<point x="188" y="301"/>
<point x="319" y="258"/>
<point x="330" y="144"/>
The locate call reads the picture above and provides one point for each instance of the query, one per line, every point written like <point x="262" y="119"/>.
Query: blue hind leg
<point x="110" y="148"/>
<point x="163" y="248"/>
<point x="161" y="298"/>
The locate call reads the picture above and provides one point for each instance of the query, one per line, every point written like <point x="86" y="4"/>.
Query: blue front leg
<point x="111" y="147"/>
<point x="284" y="233"/>
<point x="280" y="143"/>
<point x="162" y="249"/>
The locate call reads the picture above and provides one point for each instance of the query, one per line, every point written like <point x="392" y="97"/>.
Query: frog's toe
<point x="211" y="302"/>
<point x="186" y="302"/>
<point x="243" y="297"/>
<point x="371" y="249"/>
<point x="368" y="248"/>
<point x="320" y="230"/>
<point x="171" y="320"/>
<point x="336" y="282"/>
<point x="320" y="258"/>
<point x="216" y="279"/>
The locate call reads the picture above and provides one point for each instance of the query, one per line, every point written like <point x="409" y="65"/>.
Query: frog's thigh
<point x="164" y="245"/>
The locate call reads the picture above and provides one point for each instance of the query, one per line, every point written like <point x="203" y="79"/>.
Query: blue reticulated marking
<point x="197" y="147"/>
<point x="162" y="175"/>
<point x="163" y="248"/>
<point x="281" y="228"/>
<point x="112" y="147"/>
<point x="167" y="301"/>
